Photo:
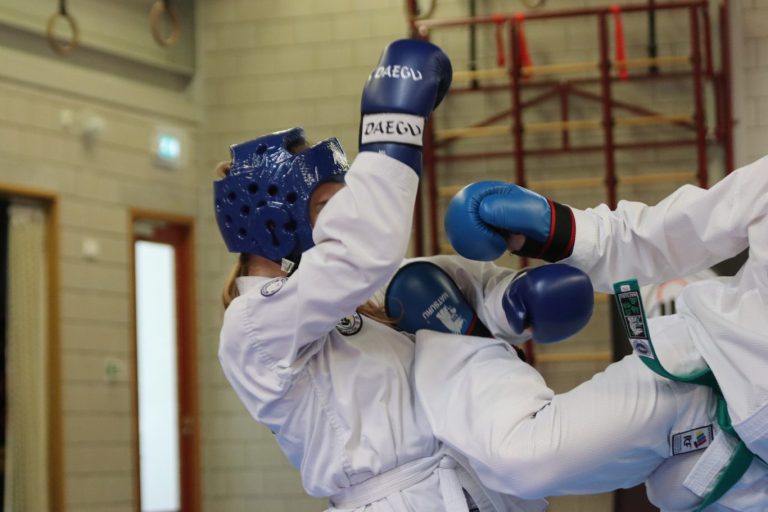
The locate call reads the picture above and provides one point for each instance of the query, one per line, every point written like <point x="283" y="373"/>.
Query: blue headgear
<point x="262" y="205"/>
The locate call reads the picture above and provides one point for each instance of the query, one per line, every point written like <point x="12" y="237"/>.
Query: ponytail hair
<point x="230" y="291"/>
<point x="375" y="312"/>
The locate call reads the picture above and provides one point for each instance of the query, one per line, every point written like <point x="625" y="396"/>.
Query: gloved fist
<point x="421" y="295"/>
<point x="482" y="215"/>
<point x="408" y="83"/>
<point x="555" y="301"/>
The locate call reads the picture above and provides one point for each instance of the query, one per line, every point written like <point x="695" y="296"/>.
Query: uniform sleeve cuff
<point x="585" y="240"/>
<point x="559" y="244"/>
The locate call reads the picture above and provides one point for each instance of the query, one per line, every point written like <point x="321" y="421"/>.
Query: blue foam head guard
<point x="262" y="205"/>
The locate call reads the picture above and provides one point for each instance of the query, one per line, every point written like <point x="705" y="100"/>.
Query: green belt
<point x="636" y="326"/>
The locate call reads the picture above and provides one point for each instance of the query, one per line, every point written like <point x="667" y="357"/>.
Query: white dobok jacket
<point x="336" y="388"/>
<point x="613" y="430"/>
<point x="726" y="319"/>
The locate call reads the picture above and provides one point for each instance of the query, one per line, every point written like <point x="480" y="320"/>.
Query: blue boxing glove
<point x="482" y="215"/>
<point x="409" y="82"/>
<point x="421" y="295"/>
<point x="555" y="301"/>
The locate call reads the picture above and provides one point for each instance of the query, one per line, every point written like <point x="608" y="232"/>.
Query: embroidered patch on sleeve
<point x="692" y="440"/>
<point x="642" y="348"/>
<point x="350" y="325"/>
<point x="273" y="286"/>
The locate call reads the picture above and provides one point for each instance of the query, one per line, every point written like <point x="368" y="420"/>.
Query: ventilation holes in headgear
<point x="290" y="227"/>
<point x="231" y="196"/>
<point x="291" y="197"/>
<point x="245" y="210"/>
<point x="260" y="203"/>
<point x="242" y="233"/>
<point x="227" y="220"/>
<point x="261" y="149"/>
<point x="253" y="188"/>
<point x="272" y="190"/>
<point x="271" y="229"/>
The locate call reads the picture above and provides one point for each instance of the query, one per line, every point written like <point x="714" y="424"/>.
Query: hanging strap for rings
<point x="632" y="313"/>
<point x="159" y="9"/>
<point x="62" y="47"/>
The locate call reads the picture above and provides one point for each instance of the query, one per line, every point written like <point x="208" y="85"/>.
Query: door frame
<point x="50" y="202"/>
<point x="180" y="234"/>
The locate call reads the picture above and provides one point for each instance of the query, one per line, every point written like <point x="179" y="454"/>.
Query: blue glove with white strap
<point x="421" y="295"/>
<point x="554" y="301"/>
<point x="482" y="215"/>
<point x="409" y="82"/>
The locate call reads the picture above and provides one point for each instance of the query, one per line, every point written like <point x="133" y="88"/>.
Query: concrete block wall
<point x="96" y="184"/>
<point x="260" y="66"/>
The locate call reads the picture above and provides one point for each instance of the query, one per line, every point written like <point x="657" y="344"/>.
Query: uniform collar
<point x="247" y="283"/>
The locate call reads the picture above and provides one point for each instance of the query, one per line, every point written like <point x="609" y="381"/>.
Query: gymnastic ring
<point x="423" y="16"/>
<point x="534" y="4"/>
<point x="159" y="8"/>
<point x="63" y="48"/>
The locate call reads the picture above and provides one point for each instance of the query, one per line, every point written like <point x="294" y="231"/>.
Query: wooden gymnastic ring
<point x="423" y="16"/>
<point x="63" y="48"/>
<point x="159" y="8"/>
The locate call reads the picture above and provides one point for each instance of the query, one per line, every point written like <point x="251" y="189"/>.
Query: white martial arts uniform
<point x="726" y="318"/>
<point x="338" y="393"/>
<point x="615" y="429"/>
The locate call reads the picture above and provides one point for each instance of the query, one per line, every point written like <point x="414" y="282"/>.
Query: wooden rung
<point x="568" y="357"/>
<point x="466" y="75"/>
<point x="644" y="62"/>
<point x="478" y="74"/>
<point x="598" y="181"/>
<point x="446" y="248"/>
<point x="661" y="177"/>
<point x="592" y="182"/>
<point x="556" y="69"/>
<point x="566" y="183"/>
<point x="472" y="131"/>
<point x="449" y="190"/>
<point x="653" y="120"/>
<point x="558" y="126"/>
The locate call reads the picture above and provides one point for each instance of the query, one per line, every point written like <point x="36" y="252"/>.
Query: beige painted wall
<point x="258" y="67"/>
<point x="45" y="102"/>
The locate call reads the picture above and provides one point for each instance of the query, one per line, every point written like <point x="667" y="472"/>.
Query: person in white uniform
<point x="317" y="238"/>
<point x="720" y="324"/>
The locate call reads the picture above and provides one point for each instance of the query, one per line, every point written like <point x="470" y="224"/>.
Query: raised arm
<point x="360" y="236"/>
<point x="690" y="230"/>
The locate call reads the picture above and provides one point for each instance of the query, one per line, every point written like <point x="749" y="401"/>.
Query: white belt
<point x="454" y="476"/>
<point x="488" y="500"/>
<point x="713" y="460"/>
<point x="403" y="477"/>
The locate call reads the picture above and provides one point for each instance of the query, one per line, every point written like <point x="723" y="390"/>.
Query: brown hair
<point x="230" y="291"/>
<point x="375" y="312"/>
<point x="370" y="309"/>
<point x="240" y="268"/>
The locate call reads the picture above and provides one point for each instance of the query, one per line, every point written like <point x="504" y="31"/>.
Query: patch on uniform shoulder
<point x="692" y="440"/>
<point x="642" y="347"/>
<point x="350" y="325"/>
<point x="273" y="286"/>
